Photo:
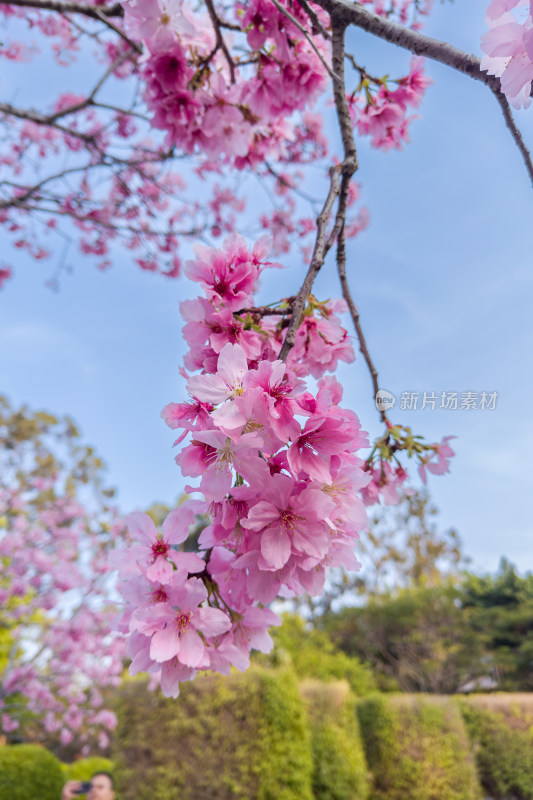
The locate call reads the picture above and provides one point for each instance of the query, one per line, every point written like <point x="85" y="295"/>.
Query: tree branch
<point x="217" y="23"/>
<point x="95" y="12"/>
<point x="354" y="313"/>
<point x="100" y="13"/>
<point x="39" y="119"/>
<point x="349" y="167"/>
<point x="418" y="43"/>
<point x="267" y="311"/>
<point x="305" y="33"/>
<point x="350" y="163"/>
<point x="317" y="261"/>
<point x="515" y="133"/>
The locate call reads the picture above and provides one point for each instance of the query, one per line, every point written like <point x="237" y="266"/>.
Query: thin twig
<point x="350" y="165"/>
<point x="317" y="260"/>
<point x="305" y="33"/>
<point x="217" y="23"/>
<point x="134" y="45"/>
<point x="348" y="13"/>
<point x="515" y="133"/>
<point x="266" y="311"/>
<point x="354" y="313"/>
<point x="95" y="12"/>
<point x="39" y="119"/>
<point x="289" y="185"/>
<point x="313" y="16"/>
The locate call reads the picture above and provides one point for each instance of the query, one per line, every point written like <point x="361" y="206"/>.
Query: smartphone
<point x="84" y="788"/>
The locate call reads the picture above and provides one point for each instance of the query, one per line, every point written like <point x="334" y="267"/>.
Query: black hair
<point x="107" y="774"/>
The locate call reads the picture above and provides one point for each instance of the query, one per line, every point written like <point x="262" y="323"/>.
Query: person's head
<point x="102" y="787"/>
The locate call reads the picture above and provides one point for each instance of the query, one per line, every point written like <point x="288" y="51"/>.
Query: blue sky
<point x="442" y="278"/>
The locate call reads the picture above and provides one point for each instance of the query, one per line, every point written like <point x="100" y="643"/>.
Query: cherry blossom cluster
<point x="280" y="471"/>
<point x="508" y="48"/>
<point x="406" y="12"/>
<point x="234" y="87"/>
<point x="56" y="613"/>
<point x="229" y="103"/>
<point x="388" y="475"/>
<point x="383" y="114"/>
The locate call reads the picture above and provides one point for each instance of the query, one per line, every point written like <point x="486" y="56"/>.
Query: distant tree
<point x="500" y="608"/>
<point x="57" y="524"/>
<point x="433" y="637"/>
<point x="417" y="639"/>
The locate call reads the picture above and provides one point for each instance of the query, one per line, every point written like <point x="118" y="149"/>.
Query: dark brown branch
<point x="313" y="16"/>
<point x="305" y="33"/>
<point x="95" y="12"/>
<point x="347" y="13"/>
<point x="317" y="260"/>
<point x="349" y="166"/>
<point x="338" y="189"/>
<point x="221" y="44"/>
<point x="289" y="185"/>
<point x="99" y="223"/>
<point x="267" y="311"/>
<point x="101" y="13"/>
<point x="354" y="313"/>
<point x="515" y="133"/>
<point x="39" y="119"/>
<point x="134" y="45"/>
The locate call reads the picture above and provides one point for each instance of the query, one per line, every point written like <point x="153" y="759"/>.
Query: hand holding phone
<point x="73" y="788"/>
<point x="84" y="787"/>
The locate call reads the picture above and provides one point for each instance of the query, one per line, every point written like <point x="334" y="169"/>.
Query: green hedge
<point x="339" y="764"/>
<point x="503" y="744"/>
<point x="29" y="772"/>
<point x="242" y="736"/>
<point x="417" y="748"/>
<point x="313" y="655"/>
<point x="85" y="768"/>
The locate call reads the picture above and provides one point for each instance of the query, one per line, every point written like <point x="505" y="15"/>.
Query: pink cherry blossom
<point x="289" y="523"/>
<point x="232" y="366"/>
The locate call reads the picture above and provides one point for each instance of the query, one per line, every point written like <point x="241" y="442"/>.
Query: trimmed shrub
<point x="502" y="735"/>
<point x="242" y="736"/>
<point x="313" y="655"/>
<point x="339" y="764"/>
<point x="29" y="772"/>
<point x="417" y="748"/>
<point x="85" y="768"/>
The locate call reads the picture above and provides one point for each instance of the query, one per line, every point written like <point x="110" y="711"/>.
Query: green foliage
<point x="406" y="549"/>
<point x="434" y="638"/>
<point x="313" y="655"/>
<point x="417" y="749"/>
<point x="419" y="637"/>
<point x="85" y="768"/>
<point x="38" y="444"/>
<point x="339" y="764"/>
<point x="503" y="744"/>
<point x="29" y="772"/>
<point x="500" y="609"/>
<point x="243" y="736"/>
